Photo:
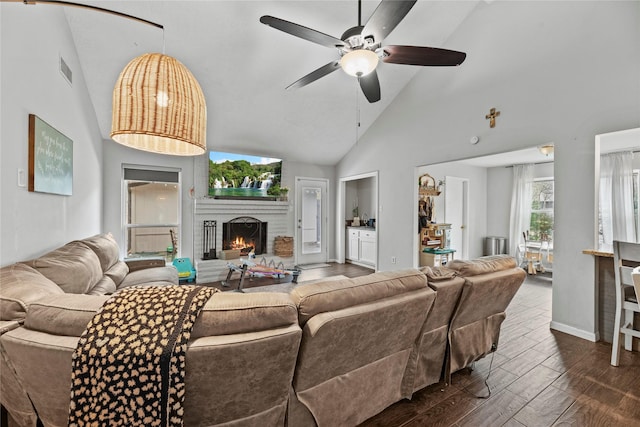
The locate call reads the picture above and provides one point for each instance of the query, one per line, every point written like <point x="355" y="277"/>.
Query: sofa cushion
<point x="437" y="274"/>
<point x="66" y="314"/>
<point x="229" y="313"/>
<point x="105" y="247"/>
<point x="105" y="286"/>
<point x="482" y="265"/>
<point x="151" y="276"/>
<point x="334" y="295"/>
<point x="74" y="267"/>
<point x="117" y="272"/>
<point x="21" y="285"/>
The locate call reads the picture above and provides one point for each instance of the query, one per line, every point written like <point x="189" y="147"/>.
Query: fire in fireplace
<point x="245" y="233"/>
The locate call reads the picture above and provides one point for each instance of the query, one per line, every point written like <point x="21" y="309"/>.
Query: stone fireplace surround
<point x="278" y="214"/>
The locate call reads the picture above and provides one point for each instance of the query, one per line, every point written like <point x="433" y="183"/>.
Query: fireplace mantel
<point x="218" y="206"/>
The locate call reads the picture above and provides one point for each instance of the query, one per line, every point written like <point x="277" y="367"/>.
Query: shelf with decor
<point x="434" y="245"/>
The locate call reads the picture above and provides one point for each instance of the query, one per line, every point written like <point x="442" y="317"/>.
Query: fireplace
<point x="245" y="233"/>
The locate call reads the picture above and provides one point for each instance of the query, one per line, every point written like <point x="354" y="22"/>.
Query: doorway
<point x="489" y="193"/>
<point x="358" y="197"/>
<point x="456" y="213"/>
<point x="311" y="220"/>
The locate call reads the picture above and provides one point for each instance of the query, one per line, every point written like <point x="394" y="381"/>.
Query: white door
<point x="456" y="202"/>
<point x="311" y="220"/>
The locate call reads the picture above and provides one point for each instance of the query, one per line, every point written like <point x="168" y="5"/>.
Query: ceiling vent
<point x="66" y="71"/>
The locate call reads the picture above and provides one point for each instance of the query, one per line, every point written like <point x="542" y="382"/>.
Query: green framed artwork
<point x="50" y="159"/>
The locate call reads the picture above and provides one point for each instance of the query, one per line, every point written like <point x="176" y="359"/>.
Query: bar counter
<point x="606" y="294"/>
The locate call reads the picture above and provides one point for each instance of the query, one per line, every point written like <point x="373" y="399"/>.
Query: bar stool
<point x="624" y="254"/>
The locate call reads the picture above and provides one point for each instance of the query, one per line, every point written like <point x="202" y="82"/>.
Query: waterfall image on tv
<point x="234" y="175"/>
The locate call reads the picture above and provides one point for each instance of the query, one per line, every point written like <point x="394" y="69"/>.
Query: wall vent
<point x="66" y="71"/>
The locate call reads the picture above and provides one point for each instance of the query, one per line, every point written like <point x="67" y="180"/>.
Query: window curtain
<point x="616" y="199"/>
<point x="520" y="208"/>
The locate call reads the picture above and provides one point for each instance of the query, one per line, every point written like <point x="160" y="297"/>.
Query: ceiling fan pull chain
<point x="357" y="110"/>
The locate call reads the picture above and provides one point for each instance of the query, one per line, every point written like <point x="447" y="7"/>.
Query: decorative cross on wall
<point x="492" y="117"/>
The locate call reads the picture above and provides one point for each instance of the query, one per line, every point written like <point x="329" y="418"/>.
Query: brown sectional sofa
<point x="329" y="353"/>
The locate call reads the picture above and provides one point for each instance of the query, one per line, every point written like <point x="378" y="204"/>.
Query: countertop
<point x="362" y="227"/>
<point x="597" y="252"/>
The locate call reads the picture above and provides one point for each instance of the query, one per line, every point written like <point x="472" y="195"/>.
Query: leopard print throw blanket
<point x="128" y="368"/>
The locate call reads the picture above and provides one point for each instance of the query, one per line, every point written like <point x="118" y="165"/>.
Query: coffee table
<point x="267" y="271"/>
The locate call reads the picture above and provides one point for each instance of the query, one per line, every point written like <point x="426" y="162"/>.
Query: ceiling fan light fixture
<point x="359" y="62"/>
<point x="546" y="149"/>
<point x="158" y="106"/>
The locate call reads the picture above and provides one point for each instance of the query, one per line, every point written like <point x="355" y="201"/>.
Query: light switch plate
<point x="22" y="182"/>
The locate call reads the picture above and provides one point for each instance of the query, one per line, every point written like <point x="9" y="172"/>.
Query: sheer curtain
<point x="520" y="207"/>
<point x="616" y="199"/>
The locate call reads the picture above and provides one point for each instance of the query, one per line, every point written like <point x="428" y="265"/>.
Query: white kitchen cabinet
<point x="353" y="244"/>
<point x="361" y="246"/>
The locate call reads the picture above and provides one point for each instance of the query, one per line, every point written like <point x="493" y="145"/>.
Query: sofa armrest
<point x="136" y="264"/>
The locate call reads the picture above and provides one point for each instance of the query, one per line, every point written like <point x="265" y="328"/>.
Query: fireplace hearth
<point x="246" y="234"/>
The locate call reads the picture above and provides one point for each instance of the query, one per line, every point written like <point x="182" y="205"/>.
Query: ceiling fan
<point x="360" y="47"/>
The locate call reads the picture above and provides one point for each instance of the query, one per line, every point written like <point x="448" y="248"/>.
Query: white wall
<point x="360" y="192"/>
<point x="565" y="95"/>
<point x="32" y="38"/>
<point x="499" y="183"/>
<point x="366" y="198"/>
<point x="350" y="197"/>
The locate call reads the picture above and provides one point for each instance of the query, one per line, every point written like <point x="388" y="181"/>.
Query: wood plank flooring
<point x="538" y="377"/>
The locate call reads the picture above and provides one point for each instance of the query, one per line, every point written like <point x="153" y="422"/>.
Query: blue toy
<point x="186" y="272"/>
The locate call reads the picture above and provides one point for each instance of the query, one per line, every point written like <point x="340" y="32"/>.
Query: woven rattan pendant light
<point x="158" y="106"/>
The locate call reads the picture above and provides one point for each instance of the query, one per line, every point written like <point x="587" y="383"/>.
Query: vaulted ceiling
<point x="244" y="67"/>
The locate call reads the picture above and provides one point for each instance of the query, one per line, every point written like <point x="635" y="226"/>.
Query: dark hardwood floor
<point x="538" y="377"/>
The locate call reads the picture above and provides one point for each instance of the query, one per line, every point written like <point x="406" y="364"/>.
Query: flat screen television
<point x="233" y="175"/>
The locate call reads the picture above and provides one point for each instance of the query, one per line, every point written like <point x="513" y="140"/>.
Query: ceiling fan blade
<point x="315" y="75"/>
<point x="302" y="32"/>
<point x="387" y="15"/>
<point x="419" y="55"/>
<point x="370" y="86"/>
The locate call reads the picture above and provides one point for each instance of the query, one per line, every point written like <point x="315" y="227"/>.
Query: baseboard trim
<point x="360" y="264"/>
<point x="561" y="327"/>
